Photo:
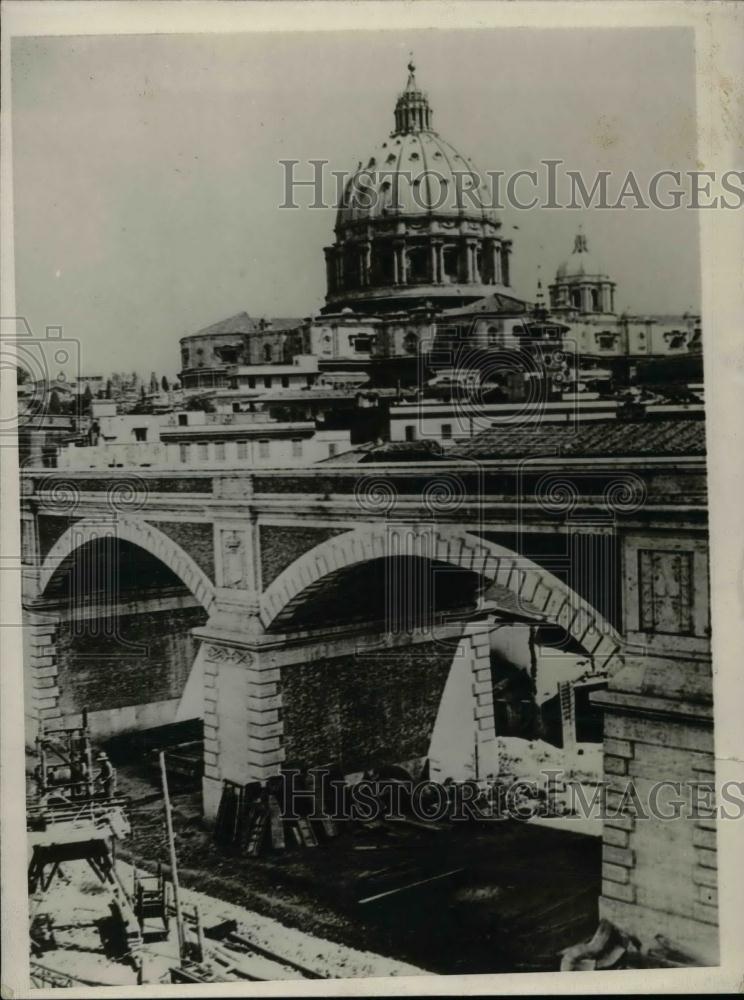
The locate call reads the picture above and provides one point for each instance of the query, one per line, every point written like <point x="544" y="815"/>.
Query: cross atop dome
<point x="412" y="111"/>
<point x="411" y="84"/>
<point x="580" y="244"/>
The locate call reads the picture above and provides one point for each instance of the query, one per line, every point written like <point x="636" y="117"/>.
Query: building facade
<point x="239" y="340"/>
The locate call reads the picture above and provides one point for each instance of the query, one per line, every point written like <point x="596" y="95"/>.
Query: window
<point x="140" y="434"/>
<point x="251" y="381"/>
<point x="309" y="380"/>
<point x="184" y="453"/>
<point x="242" y="449"/>
<point x="285" y="381"/>
<point x="410" y="432"/>
<point x="606" y="340"/>
<point x="417" y="265"/>
<point x="219" y="451"/>
<point x="362" y="345"/>
<point x="183" y="419"/>
<point x="236" y="407"/>
<point x="296" y="448"/>
<point x="446" y="432"/>
<point x="267" y="381"/>
<point x="202" y="451"/>
<point x="332" y="449"/>
<point x="451" y="261"/>
<point x="675" y="338"/>
<point x="263" y="449"/>
<point x="267" y="352"/>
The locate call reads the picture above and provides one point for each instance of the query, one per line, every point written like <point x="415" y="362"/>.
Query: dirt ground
<point x="524" y="892"/>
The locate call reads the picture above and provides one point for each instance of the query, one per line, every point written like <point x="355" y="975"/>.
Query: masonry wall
<point x="363" y="711"/>
<point x="197" y="539"/>
<point x="660" y="875"/>
<point x="281" y="545"/>
<point x="148" y="664"/>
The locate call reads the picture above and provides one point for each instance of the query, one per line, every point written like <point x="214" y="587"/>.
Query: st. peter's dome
<point x="413" y="225"/>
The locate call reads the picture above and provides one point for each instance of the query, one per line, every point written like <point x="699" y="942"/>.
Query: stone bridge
<point x="318" y="616"/>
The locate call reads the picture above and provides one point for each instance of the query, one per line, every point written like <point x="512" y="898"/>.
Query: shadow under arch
<point x="143" y="536"/>
<point x="510" y="579"/>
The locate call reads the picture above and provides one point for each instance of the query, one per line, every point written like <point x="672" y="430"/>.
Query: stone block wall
<point x="41" y="690"/>
<point x="659" y="874"/>
<point x="363" y="711"/>
<point x="147" y="663"/>
<point x="281" y="545"/>
<point x="195" y="538"/>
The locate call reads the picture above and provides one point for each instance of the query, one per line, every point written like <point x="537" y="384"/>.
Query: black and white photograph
<point x="365" y="387"/>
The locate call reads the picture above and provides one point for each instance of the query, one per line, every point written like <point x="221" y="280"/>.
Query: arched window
<point x="351" y="266"/>
<point x="267" y="355"/>
<point x="417" y="265"/>
<point x="576" y="298"/>
<point x="451" y="265"/>
<point x="595" y="300"/>
<point x="410" y="343"/>
<point x="382" y="264"/>
<point x="478" y="264"/>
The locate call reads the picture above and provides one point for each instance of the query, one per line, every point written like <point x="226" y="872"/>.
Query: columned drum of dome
<point x="414" y="225"/>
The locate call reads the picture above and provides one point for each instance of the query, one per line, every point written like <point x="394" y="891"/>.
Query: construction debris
<point x="609" y="948"/>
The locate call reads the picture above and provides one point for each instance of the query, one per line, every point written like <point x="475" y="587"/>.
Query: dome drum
<point x="437" y="266"/>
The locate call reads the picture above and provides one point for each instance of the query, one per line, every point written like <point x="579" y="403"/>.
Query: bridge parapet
<point x="620" y="483"/>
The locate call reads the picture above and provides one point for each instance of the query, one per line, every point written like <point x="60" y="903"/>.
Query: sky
<point x="147" y="181"/>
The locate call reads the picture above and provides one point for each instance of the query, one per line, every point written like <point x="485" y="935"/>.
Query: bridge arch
<point x="138" y="533"/>
<point x="525" y="584"/>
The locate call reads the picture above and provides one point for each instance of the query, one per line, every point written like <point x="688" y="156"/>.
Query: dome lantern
<point x="412" y="111"/>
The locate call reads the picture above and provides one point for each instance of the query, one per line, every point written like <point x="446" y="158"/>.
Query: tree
<point x="86" y="400"/>
<point x="54" y="404"/>
<point x="142" y="392"/>
<point x="164" y="383"/>
<point x="202" y="403"/>
<point x="109" y="388"/>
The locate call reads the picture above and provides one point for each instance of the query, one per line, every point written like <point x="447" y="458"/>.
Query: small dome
<point x="581" y="264"/>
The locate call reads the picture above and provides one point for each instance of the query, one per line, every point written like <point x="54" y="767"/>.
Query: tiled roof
<point x="495" y="303"/>
<point x="243" y="323"/>
<point x="615" y="438"/>
<point x="406" y="448"/>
